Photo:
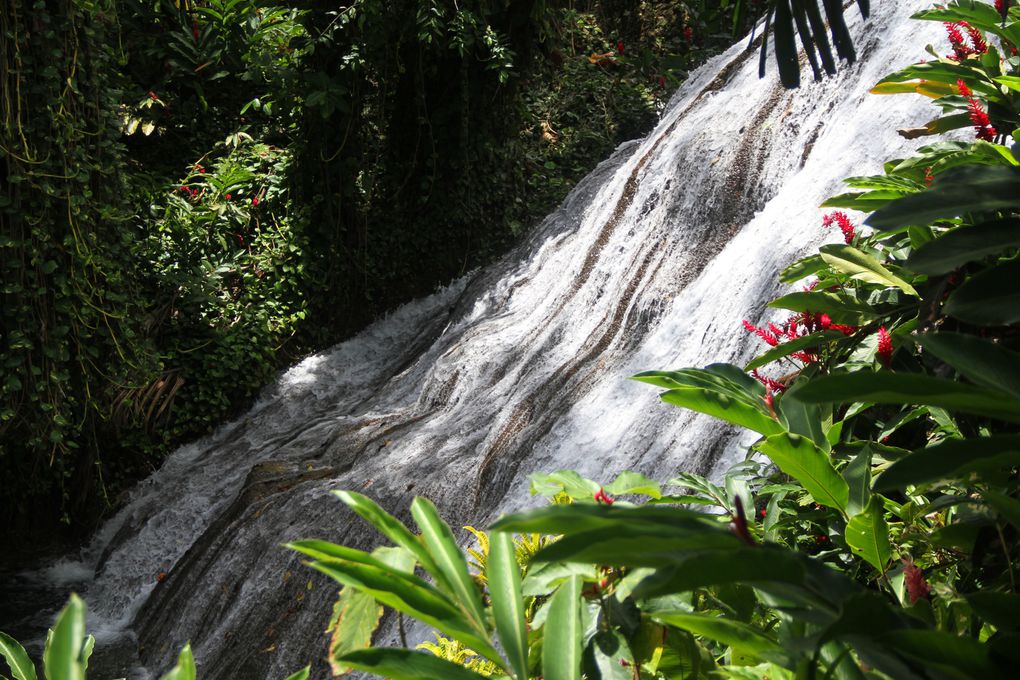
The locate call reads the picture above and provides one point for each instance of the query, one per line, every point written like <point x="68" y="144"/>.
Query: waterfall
<point x="651" y="263"/>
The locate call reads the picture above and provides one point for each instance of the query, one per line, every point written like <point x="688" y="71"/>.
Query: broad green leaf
<point x="633" y="546"/>
<point x="442" y="545"/>
<point x="561" y="647"/>
<point x="611" y="656"/>
<point x="86" y="651"/>
<point x="357" y="616"/>
<point x="390" y="527"/>
<point x="634" y="483"/>
<point x="740" y="636"/>
<point x="798" y="457"/>
<point x="840" y="309"/>
<point x="407" y="664"/>
<point x="324" y="550"/>
<point x="812" y="340"/>
<point x="574" y="518"/>
<point x="886" y="387"/>
<point x="964" y="656"/>
<point x="62" y="655"/>
<point x="802" y="269"/>
<point x="301" y="674"/>
<point x="410" y="595"/>
<point x="17" y="658"/>
<point x="858" y="478"/>
<point x="951" y="459"/>
<point x="963" y="245"/>
<point x="961" y="190"/>
<point x="724" y="407"/>
<point x="997" y="608"/>
<point x="1006" y="506"/>
<point x="981" y="361"/>
<point x="185" y="668"/>
<point x="802" y="418"/>
<point x="867" y="534"/>
<point x="991" y="298"/>
<point x="504" y="576"/>
<point x="863" y="267"/>
<point x="565" y="481"/>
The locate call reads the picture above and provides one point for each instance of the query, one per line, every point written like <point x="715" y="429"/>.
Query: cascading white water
<point x="652" y="262"/>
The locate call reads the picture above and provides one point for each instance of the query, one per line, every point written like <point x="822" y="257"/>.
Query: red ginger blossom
<point x="769" y="338"/>
<point x="770" y="384"/>
<point x="688" y="34"/>
<point x="194" y="30"/>
<point x="960" y="49"/>
<point x="913" y="579"/>
<point x="976" y="39"/>
<point x="602" y="497"/>
<point x="983" y="128"/>
<point x="885" y="348"/>
<point x="619" y="47"/>
<point x="840" y="219"/>
<point x="1002" y="7"/>
<point x="928" y="177"/>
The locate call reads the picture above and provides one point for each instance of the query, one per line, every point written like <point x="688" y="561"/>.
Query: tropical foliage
<point x="872" y="529"/>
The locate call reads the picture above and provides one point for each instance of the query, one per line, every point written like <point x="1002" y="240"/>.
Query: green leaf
<point x="840" y="309"/>
<point x="575" y="518"/>
<point x="886" y="387"/>
<point x="787" y="348"/>
<point x="723" y="405"/>
<point x="958" y="191"/>
<point x="390" y="527"/>
<point x="740" y="636"/>
<point x="863" y="267"/>
<point x="86" y="651"/>
<point x="802" y="418"/>
<point x="561" y="647"/>
<point x="798" y="457"/>
<point x="406" y="664"/>
<point x="802" y="269"/>
<point x="357" y="616"/>
<point x="17" y="658"/>
<point x="633" y="546"/>
<point x="965" y="244"/>
<point x="634" y="483"/>
<point x="1007" y="507"/>
<point x="62" y="654"/>
<point x="951" y="459"/>
<point x="991" y="298"/>
<point x="998" y="609"/>
<point x="504" y="576"/>
<point x="981" y="361"/>
<point x="301" y="674"/>
<point x="442" y="545"/>
<point x="867" y="534"/>
<point x="414" y="597"/>
<point x="964" y="656"/>
<point x="185" y="668"/>
<point x="562" y="481"/>
<point x="858" y="478"/>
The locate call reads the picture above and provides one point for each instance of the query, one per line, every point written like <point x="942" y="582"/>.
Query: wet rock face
<point x="651" y="262"/>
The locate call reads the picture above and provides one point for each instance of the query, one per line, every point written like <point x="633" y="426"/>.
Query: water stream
<point x="651" y="262"/>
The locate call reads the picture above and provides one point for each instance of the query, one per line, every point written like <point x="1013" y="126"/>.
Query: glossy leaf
<point x="736" y="634"/>
<point x="858" y="478"/>
<point x="886" y="387"/>
<point x="863" y="267"/>
<point x="565" y="481"/>
<point x="574" y="518"/>
<point x="867" y="534"/>
<point x="185" y="668"/>
<point x="634" y="483"/>
<point x="504" y="576"/>
<point x="724" y="407"/>
<point x="991" y="298"/>
<point x="951" y="459"/>
<point x="17" y="658"/>
<point x="796" y="345"/>
<point x="442" y="545"/>
<point x="961" y="190"/>
<point x="963" y="245"/>
<point x="981" y="361"/>
<point x="800" y="458"/>
<point x="406" y="664"/>
<point x="1007" y="507"/>
<point x="561" y="647"/>
<point x="301" y="674"/>
<point x="841" y="310"/>
<point x="62" y="654"/>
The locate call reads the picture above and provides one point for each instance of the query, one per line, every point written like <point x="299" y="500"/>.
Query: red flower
<point x="688" y="34"/>
<point x="769" y="338"/>
<point x="254" y="200"/>
<point x="227" y="197"/>
<point x="770" y="384"/>
<point x="976" y="39"/>
<point x="843" y="222"/>
<point x="983" y="128"/>
<point x="619" y="47"/>
<point x="885" y="348"/>
<point x="152" y="96"/>
<point x="960" y="49"/>
<point x="662" y="82"/>
<point x="185" y="189"/>
<point x="194" y="30"/>
<point x="913" y="578"/>
<point x="1002" y="6"/>
<point x="602" y="497"/>
<point x="928" y="177"/>
<point x="962" y="88"/>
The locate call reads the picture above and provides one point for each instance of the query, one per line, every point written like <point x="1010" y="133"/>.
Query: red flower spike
<point x="840" y="219"/>
<point x="913" y="579"/>
<point x="770" y="384"/>
<point x="194" y="30"/>
<point x="764" y="512"/>
<point x="255" y="200"/>
<point x="152" y="96"/>
<point x="662" y="86"/>
<point x="962" y="88"/>
<point x="885" y="348"/>
<point x="979" y="119"/>
<point x="928" y="177"/>
<point x="688" y="34"/>
<point x="739" y="523"/>
<point x="769" y="338"/>
<point x="227" y="197"/>
<point x="602" y="497"/>
<point x="960" y="49"/>
<point x="976" y="39"/>
<point x="619" y="47"/>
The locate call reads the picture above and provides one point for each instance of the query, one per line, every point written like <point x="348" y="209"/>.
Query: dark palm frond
<point x="791" y="18"/>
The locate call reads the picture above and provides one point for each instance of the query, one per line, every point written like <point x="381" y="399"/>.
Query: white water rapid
<point x="651" y="263"/>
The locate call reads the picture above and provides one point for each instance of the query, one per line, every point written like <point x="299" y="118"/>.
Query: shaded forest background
<point x="194" y="194"/>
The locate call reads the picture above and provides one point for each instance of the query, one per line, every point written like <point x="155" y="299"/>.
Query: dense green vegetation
<point x="195" y="193"/>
